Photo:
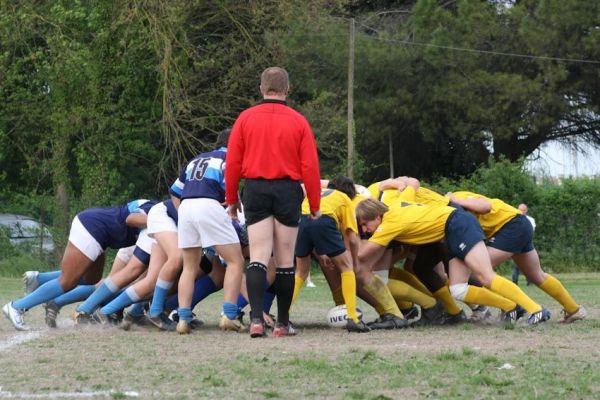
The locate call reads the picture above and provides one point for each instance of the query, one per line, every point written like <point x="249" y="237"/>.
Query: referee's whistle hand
<point x="315" y="214"/>
<point x="232" y="210"/>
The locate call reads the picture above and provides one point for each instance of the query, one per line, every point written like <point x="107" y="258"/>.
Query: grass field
<point x="469" y="361"/>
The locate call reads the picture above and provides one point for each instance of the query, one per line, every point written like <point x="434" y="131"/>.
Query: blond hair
<point x="369" y="209"/>
<point x="274" y="80"/>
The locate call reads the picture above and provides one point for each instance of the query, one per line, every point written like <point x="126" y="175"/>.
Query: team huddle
<point x="174" y="253"/>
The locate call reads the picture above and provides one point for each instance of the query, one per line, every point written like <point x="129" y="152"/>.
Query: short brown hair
<point x="369" y="209"/>
<point x="274" y="80"/>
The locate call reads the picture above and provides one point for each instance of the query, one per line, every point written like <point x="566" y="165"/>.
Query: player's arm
<point x="136" y="220"/>
<point x="352" y="242"/>
<point x="369" y="253"/>
<point x="477" y="205"/>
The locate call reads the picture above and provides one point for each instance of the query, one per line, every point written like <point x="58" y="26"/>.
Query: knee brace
<point x="459" y="291"/>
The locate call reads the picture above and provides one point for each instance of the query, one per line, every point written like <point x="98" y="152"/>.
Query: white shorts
<point x="125" y="253"/>
<point x="84" y="241"/>
<point x="204" y="223"/>
<point x="159" y="221"/>
<point x="144" y="241"/>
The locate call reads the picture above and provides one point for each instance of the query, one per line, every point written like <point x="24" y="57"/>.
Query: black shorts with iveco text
<point x="280" y="198"/>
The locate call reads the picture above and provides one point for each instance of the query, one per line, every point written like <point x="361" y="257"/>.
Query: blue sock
<point x="111" y="297"/>
<point x="230" y="310"/>
<point x="241" y="303"/>
<point x="44" y="277"/>
<point x="203" y="287"/>
<point x="48" y="291"/>
<point x="104" y="291"/>
<point x="128" y="297"/>
<point x="160" y="297"/>
<point x="81" y="292"/>
<point x="268" y="299"/>
<point x="136" y="310"/>
<point x="185" y="314"/>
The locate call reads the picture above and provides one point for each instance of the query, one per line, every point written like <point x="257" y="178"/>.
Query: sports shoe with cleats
<point x="163" y="322"/>
<point x="226" y="324"/>
<point x="412" y="314"/>
<point x="538" y="317"/>
<point x="282" y="330"/>
<point x="30" y="281"/>
<point x="480" y="314"/>
<point x="455" y="319"/>
<point x="52" y="311"/>
<point x="15" y="316"/>
<point x="130" y="320"/>
<point x="388" y="321"/>
<point x="567" y="318"/>
<point x="257" y="328"/>
<point x="432" y="315"/>
<point x="105" y="319"/>
<point x="83" y="318"/>
<point x="183" y="327"/>
<point x="509" y="318"/>
<point x="195" y="323"/>
<point x="359" y="327"/>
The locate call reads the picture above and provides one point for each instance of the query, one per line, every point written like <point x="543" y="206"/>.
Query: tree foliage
<point x="103" y="101"/>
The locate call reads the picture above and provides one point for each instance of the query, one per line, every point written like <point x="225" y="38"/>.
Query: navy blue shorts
<point x="321" y="234"/>
<point x="279" y="198"/>
<point x="141" y="255"/>
<point x="462" y="233"/>
<point x="516" y="236"/>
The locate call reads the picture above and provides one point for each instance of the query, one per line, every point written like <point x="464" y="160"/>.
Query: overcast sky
<point x="554" y="159"/>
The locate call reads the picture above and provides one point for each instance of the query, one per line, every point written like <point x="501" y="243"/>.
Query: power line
<point x="490" y="52"/>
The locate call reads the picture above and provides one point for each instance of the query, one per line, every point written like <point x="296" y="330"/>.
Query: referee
<point x="273" y="148"/>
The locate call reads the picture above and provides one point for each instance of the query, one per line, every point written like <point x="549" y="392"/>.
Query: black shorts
<point x="516" y="236"/>
<point x="280" y="198"/>
<point x="321" y="234"/>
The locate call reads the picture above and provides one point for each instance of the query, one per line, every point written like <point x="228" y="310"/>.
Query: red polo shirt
<point x="272" y="141"/>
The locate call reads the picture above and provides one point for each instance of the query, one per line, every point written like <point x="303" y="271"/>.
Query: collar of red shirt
<point x="274" y="101"/>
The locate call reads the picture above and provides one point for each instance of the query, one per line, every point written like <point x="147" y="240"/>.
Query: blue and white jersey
<point x="108" y="227"/>
<point x="171" y="210"/>
<point x="203" y="177"/>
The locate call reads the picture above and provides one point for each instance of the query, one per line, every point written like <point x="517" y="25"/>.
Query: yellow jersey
<point x="388" y="197"/>
<point x="338" y="206"/>
<point x="430" y="197"/>
<point x="423" y="196"/>
<point x="500" y="214"/>
<point x="412" y="223"/>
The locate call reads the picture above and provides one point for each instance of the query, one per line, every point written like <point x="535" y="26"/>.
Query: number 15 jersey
<point x="202" y="177"/>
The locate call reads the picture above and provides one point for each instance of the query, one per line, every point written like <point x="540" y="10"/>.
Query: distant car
<point x="27" y="233"/>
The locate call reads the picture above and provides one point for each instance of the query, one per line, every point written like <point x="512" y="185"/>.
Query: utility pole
<point x="351" y="100"/>
<point x="391" y="147"/>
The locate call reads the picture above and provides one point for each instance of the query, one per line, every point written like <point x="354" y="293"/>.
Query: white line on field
<point x="53" y="395"/>
<point x="14" y="340"/>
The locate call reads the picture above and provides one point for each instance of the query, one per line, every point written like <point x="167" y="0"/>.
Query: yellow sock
<point x="338" y="297"/>
<point x="380" y="292"/>
<point x="298" y="282"/>
<point x="403" y="304"/>
<point x="380" y="309"/>
<point x="402" y="290"/>
<point x="349" y="291"/>
<point x="554" y="288"/>
<point x="403" y="275"/>
<point x="443" y="294"/>
<point x="477" y="295"/>
<point x="506" y="288"/>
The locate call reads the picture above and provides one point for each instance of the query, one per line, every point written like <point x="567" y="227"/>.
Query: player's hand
<point x="450" y="195"/>
<point x="315" y="214"/>
<point x="233" y="210"/>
